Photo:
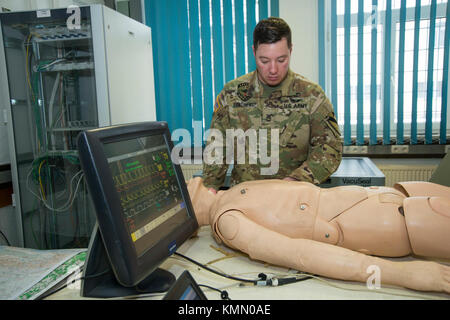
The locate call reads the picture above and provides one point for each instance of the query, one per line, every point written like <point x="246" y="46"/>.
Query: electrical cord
<point x="223" y="293"/>
<point x="79" y="175"/>
<point x="276" y="282"/>
<point x="212" y="270"/>
<point x="262" y="281"/>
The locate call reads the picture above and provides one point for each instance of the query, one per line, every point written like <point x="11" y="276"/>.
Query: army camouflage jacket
<point x="310" y="144"/>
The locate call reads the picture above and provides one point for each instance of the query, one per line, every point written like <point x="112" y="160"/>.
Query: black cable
<point x="6" y="239"/>
<point x="262" y="281"/>
<point x="223" y="293"/>
<point x="214" y="271"/>
<point x="281" y="282"/>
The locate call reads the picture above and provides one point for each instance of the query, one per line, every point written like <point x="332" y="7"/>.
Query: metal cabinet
<point x="64" y="71"/>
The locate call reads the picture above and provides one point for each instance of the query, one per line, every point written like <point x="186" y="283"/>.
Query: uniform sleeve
<point x="325" y="145"/>
<point x="215" y="167"/>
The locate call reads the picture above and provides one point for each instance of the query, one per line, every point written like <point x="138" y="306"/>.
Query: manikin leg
<point x="427" y="217"/>
<point x="239" y="232"/>
<point x="428" y="223"/>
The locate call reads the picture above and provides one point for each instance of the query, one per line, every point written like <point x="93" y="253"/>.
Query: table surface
<point x="204" y="249"/>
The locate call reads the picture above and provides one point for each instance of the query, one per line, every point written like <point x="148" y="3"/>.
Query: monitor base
<point x="99" y="280"/>
<point x="159" y="281"/>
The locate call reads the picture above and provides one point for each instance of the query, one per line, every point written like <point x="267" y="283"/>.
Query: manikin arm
<point x="239" y="232"/>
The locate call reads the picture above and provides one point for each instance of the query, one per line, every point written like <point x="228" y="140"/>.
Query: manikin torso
<point x="369" y="220"/>
<point x="338" y="232"/>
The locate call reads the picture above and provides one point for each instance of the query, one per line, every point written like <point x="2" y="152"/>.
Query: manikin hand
<point x="436" y="278"/>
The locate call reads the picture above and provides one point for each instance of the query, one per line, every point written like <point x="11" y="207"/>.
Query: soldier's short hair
<point x="271" y="30"/>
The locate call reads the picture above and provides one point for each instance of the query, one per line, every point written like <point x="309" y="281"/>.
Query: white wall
<point x="22" y="5"/>
<point x="15" y="5"/>
<point x="301" y="15"/>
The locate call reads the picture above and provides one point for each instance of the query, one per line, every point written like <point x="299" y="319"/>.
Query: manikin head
<point x="272" y="48"/>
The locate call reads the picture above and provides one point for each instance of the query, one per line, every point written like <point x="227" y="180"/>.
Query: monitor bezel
<point x="129" y="268"/>
<point x="184" y="282"/>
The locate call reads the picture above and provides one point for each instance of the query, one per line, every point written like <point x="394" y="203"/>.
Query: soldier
<point x="275" y="99"/>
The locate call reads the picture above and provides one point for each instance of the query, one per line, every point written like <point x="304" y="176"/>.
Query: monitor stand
<point x="99" y="280"/>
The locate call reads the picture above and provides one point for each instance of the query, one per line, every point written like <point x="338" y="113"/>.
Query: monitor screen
<point x="142" y="205"/>
<point x="185" y="288"/>
<point x="149" y="192"/>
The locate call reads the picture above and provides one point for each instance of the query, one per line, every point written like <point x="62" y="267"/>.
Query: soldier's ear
<point x="254" y="53"/>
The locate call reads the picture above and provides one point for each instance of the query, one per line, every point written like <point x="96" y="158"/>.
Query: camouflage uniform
<point x="310" y="145"/>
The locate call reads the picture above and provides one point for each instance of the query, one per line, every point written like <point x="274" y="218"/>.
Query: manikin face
<point x="272" y="61"/>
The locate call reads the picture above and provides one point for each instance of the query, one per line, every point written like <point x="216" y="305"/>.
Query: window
<point x="198" y="46"/>
<point x="386" y="84"/>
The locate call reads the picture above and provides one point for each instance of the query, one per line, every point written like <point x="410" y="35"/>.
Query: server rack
<point x="64" y="71"/>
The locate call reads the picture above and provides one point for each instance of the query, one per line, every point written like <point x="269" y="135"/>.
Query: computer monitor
<point x="143" y="208"/>
<point x="185" y="288"/>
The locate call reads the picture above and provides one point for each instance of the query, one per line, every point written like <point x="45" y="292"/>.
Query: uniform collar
<point x="262" y="90"/>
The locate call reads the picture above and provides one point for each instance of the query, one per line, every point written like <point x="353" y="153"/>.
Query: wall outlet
<point x="400" y="149"/>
